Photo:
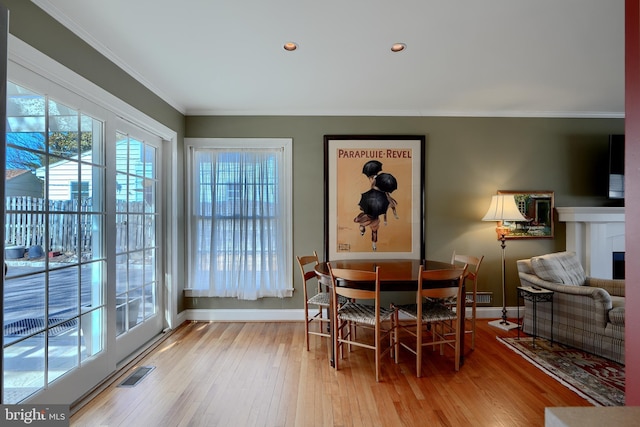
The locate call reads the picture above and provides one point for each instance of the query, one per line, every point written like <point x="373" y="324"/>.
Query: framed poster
<point x="537" y="207"/>
<point x="374" y="197"/>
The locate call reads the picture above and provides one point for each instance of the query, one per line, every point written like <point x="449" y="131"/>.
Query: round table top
<point x="395" y="274"/>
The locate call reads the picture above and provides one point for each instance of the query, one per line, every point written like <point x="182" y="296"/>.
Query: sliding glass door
<point x="83" y="241"/>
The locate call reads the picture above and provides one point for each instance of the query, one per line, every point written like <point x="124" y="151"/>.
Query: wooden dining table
<point x="396" y="275"/>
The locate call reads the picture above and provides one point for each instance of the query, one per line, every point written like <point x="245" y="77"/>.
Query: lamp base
<point x="503" y="324"/>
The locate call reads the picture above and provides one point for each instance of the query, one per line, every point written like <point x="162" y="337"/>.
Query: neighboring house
<point x="63" y="177"/>
<point x="21" y="182"/>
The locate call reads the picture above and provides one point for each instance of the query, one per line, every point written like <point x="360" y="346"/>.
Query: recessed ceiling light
<point x="290" y="46"/>
<point x="398" y="47"/>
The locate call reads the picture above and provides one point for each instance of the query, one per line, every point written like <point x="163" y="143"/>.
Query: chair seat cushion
<point x="322" y="299"/>
<point x="362" y="313"/>
<point x="431" y="312"/>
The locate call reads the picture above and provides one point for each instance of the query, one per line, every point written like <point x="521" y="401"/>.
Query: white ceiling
<point x="546" y="58"/>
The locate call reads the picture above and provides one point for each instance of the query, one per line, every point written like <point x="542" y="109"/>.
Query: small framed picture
<point x="537" y="207"/>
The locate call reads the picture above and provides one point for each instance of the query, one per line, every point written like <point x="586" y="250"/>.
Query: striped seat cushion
<point x="362" y="313"/>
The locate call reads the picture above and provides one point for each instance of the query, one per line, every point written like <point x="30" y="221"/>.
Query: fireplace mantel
<point x="594" y="233"/>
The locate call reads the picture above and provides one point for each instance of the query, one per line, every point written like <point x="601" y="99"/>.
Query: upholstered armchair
<point x="588" y="312"/>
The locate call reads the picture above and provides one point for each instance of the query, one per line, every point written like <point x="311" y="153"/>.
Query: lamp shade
<point x="503" y="208"/>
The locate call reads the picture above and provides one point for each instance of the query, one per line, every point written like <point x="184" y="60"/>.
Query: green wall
<point x="466" y="161"/>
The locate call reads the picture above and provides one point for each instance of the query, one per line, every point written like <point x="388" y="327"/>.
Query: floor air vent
<point x="137" y="376"/>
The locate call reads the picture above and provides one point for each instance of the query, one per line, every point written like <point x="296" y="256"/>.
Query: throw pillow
<point x="559" y="267"/>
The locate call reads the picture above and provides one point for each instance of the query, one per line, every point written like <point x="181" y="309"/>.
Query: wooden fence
<point x="70" y="226"/>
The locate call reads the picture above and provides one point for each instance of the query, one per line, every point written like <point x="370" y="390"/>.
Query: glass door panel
<point x="54" y="223"/>
<point x="137" y="211"/>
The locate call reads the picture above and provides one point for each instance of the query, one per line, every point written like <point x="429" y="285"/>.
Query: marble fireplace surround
<point x="594" y="233"/>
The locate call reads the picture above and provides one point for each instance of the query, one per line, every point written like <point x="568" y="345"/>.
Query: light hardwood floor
<point x="259" y="374"/>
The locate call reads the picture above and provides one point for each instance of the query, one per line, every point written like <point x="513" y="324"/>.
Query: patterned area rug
<point x="598" y="380"/>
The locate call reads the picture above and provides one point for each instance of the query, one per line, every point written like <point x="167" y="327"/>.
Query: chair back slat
<point x="353" y="293"/>
<point x="309" y="275"/>
<point x="341" y="275"/>
<point x="473" y="264"/>
<point x="306" y="264"/>
<point x="443" y="283"/>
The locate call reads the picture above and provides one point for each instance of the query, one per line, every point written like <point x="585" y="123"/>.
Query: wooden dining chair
<point x="315" y="299"/>
<point x="471" y="298"/>
<point x="434" y="317"/>
<point x="358" y="286"/>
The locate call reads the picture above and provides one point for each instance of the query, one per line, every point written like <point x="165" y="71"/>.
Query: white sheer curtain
<point x="237" y="227"/>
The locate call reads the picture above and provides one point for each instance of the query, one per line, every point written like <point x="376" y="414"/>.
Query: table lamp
<point x="503" y="208"/>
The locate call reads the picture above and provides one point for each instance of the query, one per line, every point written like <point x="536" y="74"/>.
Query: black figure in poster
<point x="377" y="200"/>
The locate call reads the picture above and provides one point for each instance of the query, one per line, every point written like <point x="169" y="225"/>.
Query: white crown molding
<point x="411" y="113"/>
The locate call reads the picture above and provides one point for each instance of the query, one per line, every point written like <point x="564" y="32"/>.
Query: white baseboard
<point x="496" y="312"/>
<point x="297" y="315"/>
<point x="241" y="315"/>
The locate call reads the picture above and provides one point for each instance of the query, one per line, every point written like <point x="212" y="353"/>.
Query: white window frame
<point x="286" y="181"/>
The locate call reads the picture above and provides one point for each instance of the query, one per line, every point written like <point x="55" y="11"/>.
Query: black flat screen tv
<point x="616" y="166"/>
